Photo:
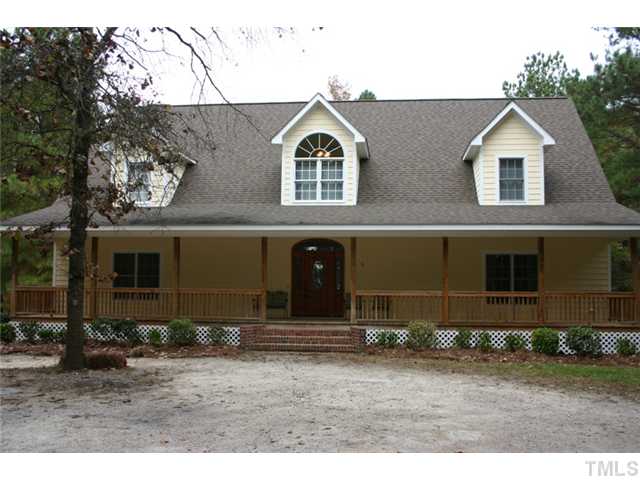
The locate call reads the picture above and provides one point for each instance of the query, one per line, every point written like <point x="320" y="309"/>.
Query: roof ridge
<point x="296" y="102"/>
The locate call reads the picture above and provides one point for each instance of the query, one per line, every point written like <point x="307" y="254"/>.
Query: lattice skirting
<point x="446" y="338"/>
<point x="231" y="337"/>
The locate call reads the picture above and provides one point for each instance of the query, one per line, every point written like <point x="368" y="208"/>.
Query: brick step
<point x="299" y="347"/>
<point x="303" y="332"/>
<point x="308" y="339"/>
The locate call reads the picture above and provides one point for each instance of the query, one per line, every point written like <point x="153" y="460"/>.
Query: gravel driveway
<point x="290" y="403"/>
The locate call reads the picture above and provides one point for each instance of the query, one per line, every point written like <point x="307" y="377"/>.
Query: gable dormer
<point x="147" y="182"/>
<point x="508" y="159"/>
<point x="321" y="153"/>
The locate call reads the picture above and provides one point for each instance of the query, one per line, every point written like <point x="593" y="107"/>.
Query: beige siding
<point x="512" y="137"/>
<point x="572" y="264"/>
<point x="318" y="119"/>
<point x="60" y="264"/>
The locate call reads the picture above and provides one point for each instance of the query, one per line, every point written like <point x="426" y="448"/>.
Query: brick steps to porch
<point x="274" y="339"/>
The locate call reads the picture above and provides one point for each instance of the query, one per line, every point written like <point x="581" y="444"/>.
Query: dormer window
<point x="139" y="181"/>
<point x="319" y="169"/>
<point x="511" y="179"/>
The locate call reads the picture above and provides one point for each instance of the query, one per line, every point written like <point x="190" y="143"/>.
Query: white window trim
<point x="135" y="267"/>
<point x="511" y="254"/>
<point x="525" y="178"/>
<point x="146" y="203"/>
<point x="318" y="180"/>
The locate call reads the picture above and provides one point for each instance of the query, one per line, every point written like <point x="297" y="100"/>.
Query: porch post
<point x="353" y="278"/>
<point x="445" y="280"/>
<point x="94" y="277"/>
<point x="541" y="280"/>
<point x="264" y="251"/>
<point x="14" y="276"/>
<point x="635" y="276"/>
<point x="176" y="277"/>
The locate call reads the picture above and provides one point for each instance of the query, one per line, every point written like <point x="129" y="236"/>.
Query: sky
<point x="395" y="62"/>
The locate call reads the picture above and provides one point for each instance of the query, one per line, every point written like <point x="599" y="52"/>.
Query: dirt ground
<point x="291" y="403"/>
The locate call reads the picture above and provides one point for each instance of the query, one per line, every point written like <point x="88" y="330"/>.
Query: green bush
<point x="387" y="339"/>
<point x="421" y="335"/>
<point x="545" y="340"/>
<point x="182" y="331"/>
<point x="585" y="341"/>
<point x="625" y="347"/>
<point x="7" y="333"/>
<point x="155" y="337"/>
<point x="216" y="335"/>
<point x="463" y="338"/>
<point x="4" y="317"/>
<point x="61" y="336"/>
<point x="29" y="330"/>
<point x="47" y="335"/>
<point x="514" y="342"/>
<point x="484" y="342"/>
<point x="120" y="330"/>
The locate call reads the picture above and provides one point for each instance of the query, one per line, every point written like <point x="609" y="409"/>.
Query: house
<point x="474" y="212"/>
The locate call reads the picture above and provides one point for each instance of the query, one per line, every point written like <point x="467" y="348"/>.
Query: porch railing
<point x="144" y="304"/>
<point x="465" y="308"/>
<point x="500" y="308"/>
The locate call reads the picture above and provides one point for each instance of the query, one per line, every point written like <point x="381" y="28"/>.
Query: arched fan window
<point x="319" y="158"/>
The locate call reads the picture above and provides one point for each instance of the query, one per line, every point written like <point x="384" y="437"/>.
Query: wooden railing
<point x="375" y="305"/>
<point x="500" y="308"/>
<point x="144" y="304"/>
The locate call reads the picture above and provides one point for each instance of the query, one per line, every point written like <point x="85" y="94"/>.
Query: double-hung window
<point x="511" y="273"/>
<point x="136" y="270"/>
<point x="511" y="171"/>
<point x="319" y="170"/>
<point x="139" y="181"/>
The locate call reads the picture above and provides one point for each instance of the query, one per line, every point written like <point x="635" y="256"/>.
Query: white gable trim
<point x="476" y="143"/>
<point x="318" y="98"/>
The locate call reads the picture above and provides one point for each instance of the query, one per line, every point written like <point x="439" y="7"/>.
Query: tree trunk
<point x="73" y="358"/>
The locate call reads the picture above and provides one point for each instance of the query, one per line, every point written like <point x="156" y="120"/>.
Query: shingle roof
<point x="415" y="175"/>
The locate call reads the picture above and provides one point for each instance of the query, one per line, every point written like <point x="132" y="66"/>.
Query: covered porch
<point x="477" y="281"/>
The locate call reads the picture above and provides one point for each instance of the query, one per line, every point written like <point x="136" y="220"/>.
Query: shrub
<point x="102" y="360"/>
<point x="120" y="330"/>
<point x="585" y="341"/>
<point x="421" y="335"/>
<point x="7" y="333"/>
<point x="155" y="337"/>
<point x="463" y="338"/>
<point x="47" y="335"/>
<point x="182" y="331"/>
<point x="545" y="340"/>
<point x="216" y="335"/>
<point x="29" y="330"/>
<point x="4" y="317"/>
<point x="625" y="347"/>
<point x="126" y="330"/>
<point x="514" y="342"/>
<point x="484" y="342"/>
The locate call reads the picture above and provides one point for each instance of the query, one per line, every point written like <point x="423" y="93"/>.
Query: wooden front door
<point x="317" y="287"/>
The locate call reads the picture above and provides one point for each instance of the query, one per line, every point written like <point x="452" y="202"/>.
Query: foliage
<point x="119" y="330"/>
<point x="29" y="330"/>
<point x="216" y="335"/>
<point x="182" y="332"/>
<point x="338" y="90"/>
<point x="484" y="342"/>
<point x="543" y="76"/>
<point x="545" y="340"/>
<point x="47" y="335"/>
<point x="7" y="333"/>
<point x="367" y="95"/>
<point x="625" y="347"/>
<point x="105" y="360"/>
<point x="583" y="340"/>
<point x="155" y="337"/>
<point x="387" y="339"/>
<point x="463" y="338"/>
<point x="421" y="335"/>
<point x="514" y="342"/>
<point x="61" y="336"/>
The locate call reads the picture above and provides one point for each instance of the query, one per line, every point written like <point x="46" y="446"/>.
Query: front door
<point x="317" y="279"/>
